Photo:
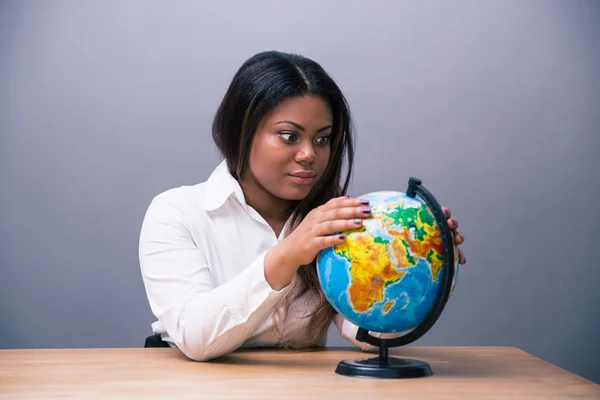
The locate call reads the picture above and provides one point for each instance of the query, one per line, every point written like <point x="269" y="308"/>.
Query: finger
<point x="344" y="201"/>
<point x="459" y="238"/>
<point x="327" y="241"/>
<point x="461" y="257"/>
<point x="453" y="223"/>
<point x="336" y="226"/>
<point x="345" y="213"/>
<point x="447" y="212"/>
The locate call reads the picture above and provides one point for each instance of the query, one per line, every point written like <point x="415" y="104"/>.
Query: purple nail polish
<point x="366" y="210"/>
<point x="364" y="202"/>
<point x="357" y="222"/>
<point x="342" y="237"/>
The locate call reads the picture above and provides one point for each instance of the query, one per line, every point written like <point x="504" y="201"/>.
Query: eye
<point x="322" y="140"/>
<point x="289" y="137"/>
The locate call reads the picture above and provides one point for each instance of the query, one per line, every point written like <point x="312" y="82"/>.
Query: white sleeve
<point x="203" y="321"/>
<point x="348" y="331"/>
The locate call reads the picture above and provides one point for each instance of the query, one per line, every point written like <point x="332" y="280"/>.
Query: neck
<point x="273" y="209"/>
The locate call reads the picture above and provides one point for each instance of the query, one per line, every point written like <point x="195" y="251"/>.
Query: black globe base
<point x="390" y="367"/>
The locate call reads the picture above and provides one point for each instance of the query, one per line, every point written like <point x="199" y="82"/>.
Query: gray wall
<point x="495" y="105"/>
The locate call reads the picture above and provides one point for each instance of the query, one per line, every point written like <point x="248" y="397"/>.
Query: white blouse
<point x="201" y="254"/>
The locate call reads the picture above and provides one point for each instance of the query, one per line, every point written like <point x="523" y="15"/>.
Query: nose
<point x="306" y="154"/>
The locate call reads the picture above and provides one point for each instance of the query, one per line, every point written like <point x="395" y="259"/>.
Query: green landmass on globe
<point x="387" y="274"/>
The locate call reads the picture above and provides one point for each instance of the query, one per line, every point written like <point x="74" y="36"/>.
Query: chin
<point x="295" y="194"/>
<point x="297" y="197"/>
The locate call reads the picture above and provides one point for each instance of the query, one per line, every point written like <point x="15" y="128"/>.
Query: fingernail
<point x="342" y="237"/>
<point x="366" y="210"/>
<point x="365" y="202"/>
<point x="357" y="222"/>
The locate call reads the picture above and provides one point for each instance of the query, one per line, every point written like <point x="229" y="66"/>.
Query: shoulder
<point x="192" y="206"/>
<point x="179" y="203"/>
<point x="174" y="215"/>
<point x="181" y="197"/>
<point x="204" y="196"/>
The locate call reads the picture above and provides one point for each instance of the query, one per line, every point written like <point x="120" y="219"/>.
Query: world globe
<point x="395" y="272"/>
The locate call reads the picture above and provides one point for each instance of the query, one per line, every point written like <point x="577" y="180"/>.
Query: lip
<point x="303" y="177"/>
<point x="304" y="174"/>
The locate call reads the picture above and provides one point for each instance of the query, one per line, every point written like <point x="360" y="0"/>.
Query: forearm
<point x="280" y="268"/>
<point x="207" y="324"/>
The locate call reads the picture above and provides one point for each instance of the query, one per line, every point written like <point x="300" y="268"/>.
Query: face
<point x="291" y="148"/>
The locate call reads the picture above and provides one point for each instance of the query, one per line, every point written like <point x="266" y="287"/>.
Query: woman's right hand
<point x="320" y="228"/>
<point x="317" y="231"/>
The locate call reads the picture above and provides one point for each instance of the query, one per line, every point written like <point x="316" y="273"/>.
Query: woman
<point x="229" y="262"/>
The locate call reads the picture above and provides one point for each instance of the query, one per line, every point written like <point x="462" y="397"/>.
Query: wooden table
<point x="459" y="373"/>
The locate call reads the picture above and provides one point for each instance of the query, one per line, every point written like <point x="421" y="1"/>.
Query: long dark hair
<point x="261" y="83"/>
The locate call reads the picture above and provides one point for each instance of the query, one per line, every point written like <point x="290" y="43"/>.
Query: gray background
<point x="495" y="105"/>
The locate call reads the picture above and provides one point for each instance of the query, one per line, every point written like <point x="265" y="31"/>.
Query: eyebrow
<point x="301" y="127"/>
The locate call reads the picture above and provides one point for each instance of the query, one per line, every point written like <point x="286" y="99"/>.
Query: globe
<point x="388" y="275"/>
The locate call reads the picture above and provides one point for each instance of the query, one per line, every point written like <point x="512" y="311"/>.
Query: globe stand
<point x="393" y="367"/>
<point x="384" y="366"/>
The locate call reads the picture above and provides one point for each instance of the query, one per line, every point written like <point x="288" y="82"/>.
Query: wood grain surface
<point x="459" y="373"/>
